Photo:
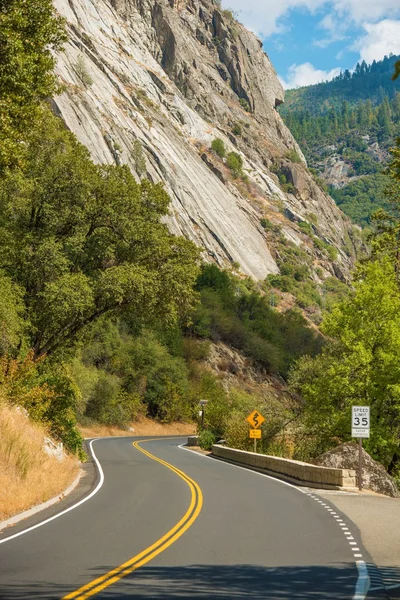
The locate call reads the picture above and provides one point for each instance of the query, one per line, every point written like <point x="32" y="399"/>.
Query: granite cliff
<point x="151" y="83"/>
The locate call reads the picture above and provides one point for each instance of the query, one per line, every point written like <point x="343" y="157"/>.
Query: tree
<point x="84" y="240"/>
<point x="396" y="70"/>
<point x="359" y="365"/>
<point x="11" y="315"/>
<point x="29" y="33"/>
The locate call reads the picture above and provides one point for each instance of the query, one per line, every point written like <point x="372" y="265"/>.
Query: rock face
<point x="173" y="75"/>
<point x="374" y="475"/>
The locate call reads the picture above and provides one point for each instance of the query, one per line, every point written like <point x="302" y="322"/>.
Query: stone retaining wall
<point x="290" y="470"/>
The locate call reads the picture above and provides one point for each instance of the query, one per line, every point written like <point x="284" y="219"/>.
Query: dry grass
<point x="28" y="476"/>
<point x="142" y="426"/>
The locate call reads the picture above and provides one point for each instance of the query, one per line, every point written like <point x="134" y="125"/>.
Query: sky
<point x="309" y="41"/>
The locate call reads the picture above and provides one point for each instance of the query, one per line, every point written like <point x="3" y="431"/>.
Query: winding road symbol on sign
<point x="255" y="419"/>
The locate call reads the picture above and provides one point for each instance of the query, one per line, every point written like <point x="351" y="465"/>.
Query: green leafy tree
<point x="11" y="315"/>
<point x="360" y="365"/>
<point x="84" y="240"/>
<point x="29" y="33"/>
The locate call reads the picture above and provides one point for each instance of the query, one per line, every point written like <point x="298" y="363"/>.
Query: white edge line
<point x="363" y="581"/>
<point x="100" y="470"/>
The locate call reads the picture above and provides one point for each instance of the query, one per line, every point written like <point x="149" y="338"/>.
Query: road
<point x="169" y="523"/>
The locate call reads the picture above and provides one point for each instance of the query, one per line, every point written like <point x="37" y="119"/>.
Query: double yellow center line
<point x="196" y="503"/>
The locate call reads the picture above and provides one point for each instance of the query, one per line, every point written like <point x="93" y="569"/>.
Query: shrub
<point x="236" y="129"/>
<point x="330" y="250"/>
<point x="306" y="227"/>
<point x="139" y="158"/>
<point x="293" y="156"/>
<point x="235" y="162"/>
<point x="207" y="439"/>
<point x="82" y="72"/>
<point x="218" y="147"/>
<point x="245" y="105"/>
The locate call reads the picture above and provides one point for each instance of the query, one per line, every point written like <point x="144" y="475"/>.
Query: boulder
<point x="375" y="476"/>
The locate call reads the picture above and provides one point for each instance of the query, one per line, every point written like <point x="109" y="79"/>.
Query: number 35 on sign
<point x="360" y="422"/>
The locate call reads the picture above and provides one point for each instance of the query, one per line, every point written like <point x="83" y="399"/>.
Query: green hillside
<point x="367" y="82"/>
<point x="345" y="128"/>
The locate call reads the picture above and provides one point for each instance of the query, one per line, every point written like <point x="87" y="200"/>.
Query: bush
<point x="293" y="156"/>
<point x="207" y="439"/>
<point x="236" y="129"/>
<point x="306" y="227"/>
<point x="139" y="158"/>
<point x="245" y="105"/>
<point x="82" y="72"/>
<point x="218" y="147"/>
<point x="235" y="162"/>
<point x="266" y="224"/>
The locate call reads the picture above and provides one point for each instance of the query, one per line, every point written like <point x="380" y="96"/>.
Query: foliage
<point x="245" y="104"/>
<point x="245" y="320"/>
<point x="293" y="156"/>
<point x="396" y="70"/>
<point x="218" y="147"/>
<point x="352" y="120"/>
<point x="237" y="129"/>
<point x="123" y="374"/>
<point x="29" y="33"/>
<point x="206" y="439"/>
<point x="48" y="395"/>
<point x="359" y="366"/>
<point x="11" y="315"/>
<point x="82" y="72"/>
<point x="85" y="240"/>
<point x="361" y="198"/>
<point x="235" y="162"/>
<point x="366" y="82"/>
<point x="139" y="158"/>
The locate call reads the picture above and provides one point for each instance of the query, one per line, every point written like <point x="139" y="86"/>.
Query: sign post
<point x="256" y="420"/>
<point x="360" y="428"/>
<point x="201" y="412"/>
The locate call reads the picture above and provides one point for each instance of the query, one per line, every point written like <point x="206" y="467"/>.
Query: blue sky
<point x="312" y="40"/>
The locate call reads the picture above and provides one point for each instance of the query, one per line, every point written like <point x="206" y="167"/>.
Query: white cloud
<point x="335" y="29"/>
<point x="306" y="74"/>
<point x="263" y="16"/>
<point x="367" y="10"/>
<point x="380" y="39"/>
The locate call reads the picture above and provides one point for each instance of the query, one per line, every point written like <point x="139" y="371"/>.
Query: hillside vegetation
<point x="105" y="316"/>
<point x="345" y="128"/>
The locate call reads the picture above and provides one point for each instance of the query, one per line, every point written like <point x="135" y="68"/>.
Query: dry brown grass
<point x="142" y="426"/>
<point x="28" y="476"/>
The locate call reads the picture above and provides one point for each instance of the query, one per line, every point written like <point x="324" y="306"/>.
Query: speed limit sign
<point x="360" y="422"/>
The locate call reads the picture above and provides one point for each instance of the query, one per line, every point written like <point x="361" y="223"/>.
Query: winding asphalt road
<point x="169" y="523"/>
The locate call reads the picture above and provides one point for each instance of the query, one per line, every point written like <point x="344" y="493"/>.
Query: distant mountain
<point x="345" y="128"/>
<point x="367" y="82"/>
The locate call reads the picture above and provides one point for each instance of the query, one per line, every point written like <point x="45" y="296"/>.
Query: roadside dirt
<point x="143" y="426"/>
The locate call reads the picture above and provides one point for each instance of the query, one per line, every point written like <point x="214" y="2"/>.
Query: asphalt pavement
<point x="169" y="523"/>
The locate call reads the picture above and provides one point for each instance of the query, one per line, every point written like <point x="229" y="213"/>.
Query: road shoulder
<point x="378" y="519"/>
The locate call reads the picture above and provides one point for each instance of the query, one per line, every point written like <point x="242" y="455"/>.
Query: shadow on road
<point x="196" y="582"/>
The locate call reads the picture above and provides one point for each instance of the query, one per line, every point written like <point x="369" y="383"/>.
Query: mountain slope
<point x="346" y="128"/>
<point x="152" y="83"/>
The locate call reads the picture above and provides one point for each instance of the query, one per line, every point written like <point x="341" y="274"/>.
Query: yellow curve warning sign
<point x="255" y="419"/>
